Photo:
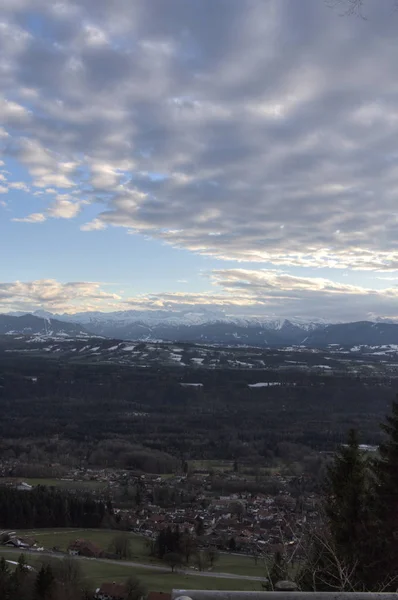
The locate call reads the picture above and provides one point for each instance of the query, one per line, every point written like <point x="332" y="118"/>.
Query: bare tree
<point x="200" y="560"/>
<point x="212" y="555"/>
<point x="188" y="545"/>
<point x="135" y="589"/>
<point x="121" y="545"/>
<point x="173" y="559"/>
<point x="355" y="7"/>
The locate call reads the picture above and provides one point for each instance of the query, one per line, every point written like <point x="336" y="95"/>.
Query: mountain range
<point x="28" y="324"/>
<point x="203" y="327"/>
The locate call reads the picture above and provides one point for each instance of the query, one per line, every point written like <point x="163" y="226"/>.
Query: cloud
<point x="278" y="149"/>
<point x="240" y="292"/>
<point x="274" y="294"/>
<point x="94" y="225"/>
<point x="33" y="218"/>
<point x="63" y="208"/>
<point x="53" y="295"/>
<point x="18" y="185"/>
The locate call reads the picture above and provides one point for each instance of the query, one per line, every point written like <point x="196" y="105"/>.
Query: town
<point x="245" y="516"/>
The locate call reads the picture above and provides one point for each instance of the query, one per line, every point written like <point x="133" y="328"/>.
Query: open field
<point x="240" y="565"/>
<point x="60" y="483"/>
<point x="225" y="466"/>
<point x="212" y="465"/>
<point x="61" y="538"/>
<point x="96" y="572"/>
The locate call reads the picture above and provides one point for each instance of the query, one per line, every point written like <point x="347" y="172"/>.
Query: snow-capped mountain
<point x="27" y="324"/>
<point x="204" y="326"/>
<point x="208" y="327"/>
<point x="165" y="317"/>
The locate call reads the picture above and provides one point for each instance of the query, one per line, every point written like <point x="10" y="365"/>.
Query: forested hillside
<point x="146" y="419"/>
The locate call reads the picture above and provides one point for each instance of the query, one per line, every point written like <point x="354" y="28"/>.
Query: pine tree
<point x="22" y="566"/>
<point x="5" y="576"/>
<point x="347" y="501"/>
<point x="339" y="554"/>
<point x="44" y="583"/>
<point x="232" y="545"/>
<point x="385" y="470"/>
<point x="199" y="528"/>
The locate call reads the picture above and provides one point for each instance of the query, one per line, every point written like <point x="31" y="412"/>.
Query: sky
<point x="235" y="156"/>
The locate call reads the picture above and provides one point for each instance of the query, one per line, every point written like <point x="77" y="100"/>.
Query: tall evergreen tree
<point x="5" y="577"/>
<point x="347" y="500"/>
<point x="339" y="557"/>
<point x="385" y="538"/>
<point x="44" y="584"/>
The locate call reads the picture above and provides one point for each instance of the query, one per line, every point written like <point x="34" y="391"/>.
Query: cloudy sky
<point x="237" y="155"/>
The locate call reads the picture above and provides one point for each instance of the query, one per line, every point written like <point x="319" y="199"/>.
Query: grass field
<point x="240" y="565"/>
<point x="223" y="466"/>
<point x="97" y="572"/>
<point x="214" y="465"/>
<point x="61" y="538"/>
<point x="61" y="483"/>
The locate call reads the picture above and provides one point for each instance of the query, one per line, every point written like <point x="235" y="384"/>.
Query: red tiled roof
<point x="158" y="596"/>
<point x="157" y="518"/>
<point x="85" y="544"/>
<point x="113" y="590"/>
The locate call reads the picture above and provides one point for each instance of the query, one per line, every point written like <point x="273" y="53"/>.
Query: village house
<point x="24" y="487"/>
<point x="158" y="596"/>
<point x="19" y="542"/>
<point x="111" y="591"/>
<point x="84" y="548"/>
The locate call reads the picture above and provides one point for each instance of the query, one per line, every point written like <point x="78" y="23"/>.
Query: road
<point x="127" y="563"/>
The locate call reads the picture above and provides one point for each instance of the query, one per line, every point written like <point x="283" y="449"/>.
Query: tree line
<point x="50" y="507"/>
<point x="176" y="547"/>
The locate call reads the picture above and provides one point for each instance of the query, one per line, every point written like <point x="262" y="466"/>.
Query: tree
<point x="255" y="554"/>
<point x="68" y="573"/>
<point x="353" y="7"/>
<point x="121" y="545"/>
<point x="385" y="470"/>
<point x="151" y="546"/>
<point x="212" y="555"/>
<point x="200" y="560"/>
<point x="168" y="540"/>
<point x="20" y="583"/>
<point x="5" y="576"/>
<point x="357" y="549"/>
<point x="173" y="559"/>
<point x="278" y="570"/>
<point x="188" y="545"/>
<point x="200" y="528"/>
<point x="135" y="588"/>
<point x="347" y="504"/>
<point x="45" y="582"/>
<point x="322" y="569"/>
<point x="339" y="552"/>
<point x="22" y="566"/>
<point x="237" y="509"/>
<point x="232" y="545"/>
<point x="138" y="496"/>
